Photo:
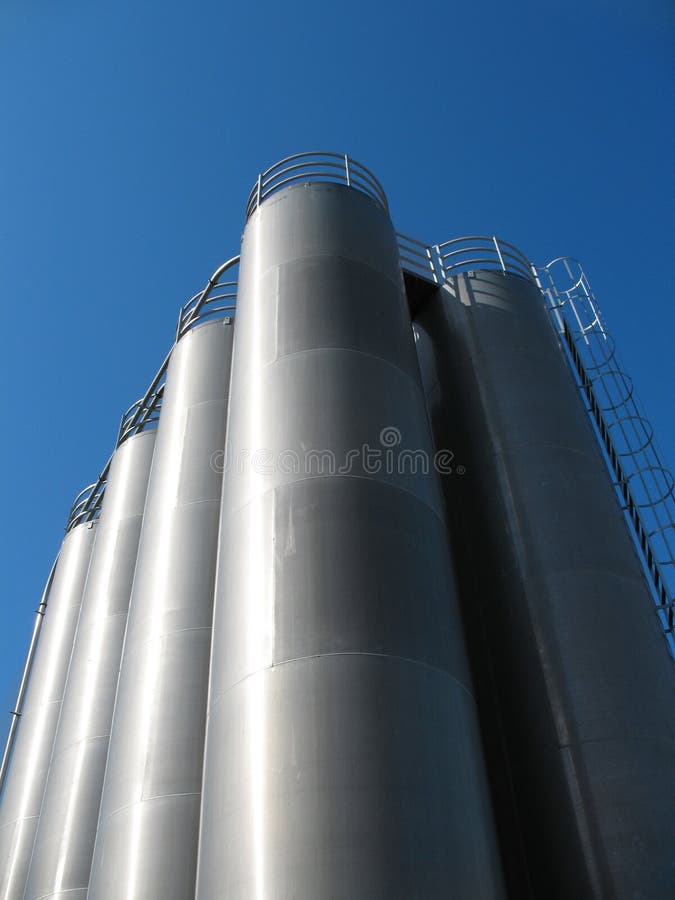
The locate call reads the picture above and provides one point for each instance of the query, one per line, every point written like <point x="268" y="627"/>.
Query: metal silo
<point x="342" y="757"/>
<point x="65" y="837"/>
<point x="146" y="845"/>
<point x="575" y="678"/>
<point x="27" y="773"/>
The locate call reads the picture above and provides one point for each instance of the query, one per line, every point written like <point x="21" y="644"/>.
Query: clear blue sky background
<point x="132" y="132"/>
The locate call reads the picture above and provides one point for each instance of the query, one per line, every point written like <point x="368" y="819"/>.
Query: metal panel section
<point x="575" y="683"/>
<point x="25" y="676"/>
<point x="342" y="755"/>
<point x="146" y="845"/>
<point x="24" y="787"/>
<point x="65" y="837"/>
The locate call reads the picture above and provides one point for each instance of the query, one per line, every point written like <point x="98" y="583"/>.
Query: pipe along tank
<point x="341" y="676"/>
<point x="27" y="774"/>
<point x="342" y="756"/>
<point x="575" y="682"/>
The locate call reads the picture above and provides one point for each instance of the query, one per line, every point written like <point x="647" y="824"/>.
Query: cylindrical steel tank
<point x="342" y="757"/>
<point x="27" y="775"/>
<point x="146" y="845"/>
<point x="579" y="711"/>
<point x="64" y="843"/>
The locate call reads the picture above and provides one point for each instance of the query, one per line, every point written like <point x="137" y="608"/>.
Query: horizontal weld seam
<point x="149" y="800"/>
<point x="407" y="659"/>
<point x="437" y="512"/>
<point x="18" y="819"/>
<point x="250" y="372"/>
<point x="133" y="645"/>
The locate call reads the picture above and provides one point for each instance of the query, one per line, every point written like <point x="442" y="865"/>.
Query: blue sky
<point x="132" y="133"/>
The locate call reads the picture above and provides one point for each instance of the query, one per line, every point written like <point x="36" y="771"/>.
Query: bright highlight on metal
<point x="274" y="661"/>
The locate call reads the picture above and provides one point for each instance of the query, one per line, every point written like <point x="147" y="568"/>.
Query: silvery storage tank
<point x="146" y="845"/>
<point x="563" y="635"/>
<point x="27" y="775"/>
<point x="64" y="843"/>
<point x="342" y="757"/>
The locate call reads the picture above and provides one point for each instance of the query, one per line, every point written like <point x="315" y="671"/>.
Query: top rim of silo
<point x="315" y="166"/>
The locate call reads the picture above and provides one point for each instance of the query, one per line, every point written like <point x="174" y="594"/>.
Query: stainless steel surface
<point x="24" y="787"/>
<point x="147" y="839"/>
<point x="347" y="725"/>
<point x="343" y="758"/>
<point x="64" y="842"/>
<point x="25" y="675"/>
<point x="576" y="685"/>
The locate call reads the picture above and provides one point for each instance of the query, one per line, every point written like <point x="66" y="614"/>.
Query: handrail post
<point x="439" y="261"/>
<point x="259" y="189"/>
<point x="427" y="250"/>
<point x="349" y="184"/>
<point x="120" y="430"/>
<point x="499" y="254"/>
<point x="535" y="275"/>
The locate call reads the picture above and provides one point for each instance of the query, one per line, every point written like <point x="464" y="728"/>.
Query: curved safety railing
<point x="216" y="299"/>
<point x="87" y="504"/>
<point x="315" y="166"/>
<point x="142" y="414"/>
<point x="466" y="254"/>
<point x="438" y="262"/>
<point x="419" y="259"/>
<point x="643" y="482"/>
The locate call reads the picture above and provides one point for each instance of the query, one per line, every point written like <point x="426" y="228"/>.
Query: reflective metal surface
<point x="574" y="680"/>
<point x="25" y="783"/>
<point x="342" y="758"/>
<point x="65" y="837"/>
<point x="25" y="675"/>
<point x="147" y="842"/>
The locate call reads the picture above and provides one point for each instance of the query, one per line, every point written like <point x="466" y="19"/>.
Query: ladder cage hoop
<point x="644" y="485"/>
